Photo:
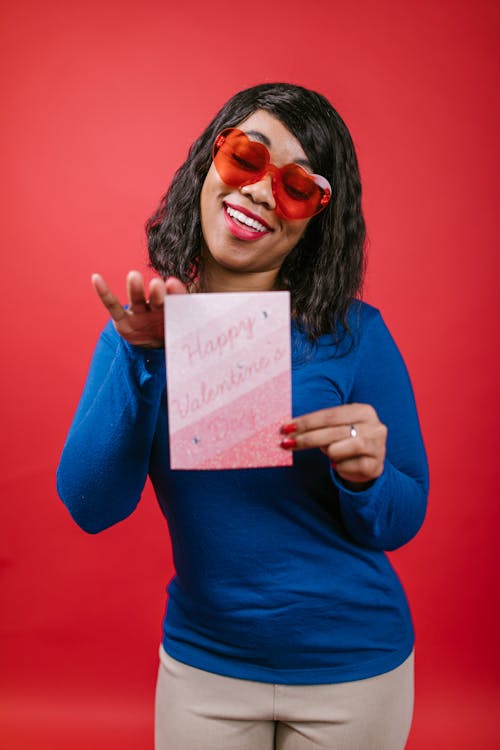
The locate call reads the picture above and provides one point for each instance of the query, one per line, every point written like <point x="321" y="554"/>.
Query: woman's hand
<point x="352" y="436"/>
<point x="142" y="323"/>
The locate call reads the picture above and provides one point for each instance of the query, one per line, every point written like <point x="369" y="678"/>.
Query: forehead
<point x="283" y="146"/>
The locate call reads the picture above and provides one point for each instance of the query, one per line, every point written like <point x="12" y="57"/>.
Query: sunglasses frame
<point x="321" y="184"/>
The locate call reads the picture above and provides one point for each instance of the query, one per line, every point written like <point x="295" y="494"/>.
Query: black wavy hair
<point x="324" y="272"/>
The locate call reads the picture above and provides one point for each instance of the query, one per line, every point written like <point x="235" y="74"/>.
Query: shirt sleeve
<point x="390" y="512"/>
<point x="105" y="459"/>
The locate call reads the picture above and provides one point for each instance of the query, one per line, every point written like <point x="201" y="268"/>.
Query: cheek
<point x="207" y="198"/>
<point x="211" y="193"/>
<point x="296" y="230"/>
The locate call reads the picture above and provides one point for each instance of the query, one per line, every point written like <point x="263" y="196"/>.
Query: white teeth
<point x="244" y="219"/>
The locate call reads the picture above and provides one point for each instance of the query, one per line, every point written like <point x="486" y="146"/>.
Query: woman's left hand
<point x="351" y="435"/>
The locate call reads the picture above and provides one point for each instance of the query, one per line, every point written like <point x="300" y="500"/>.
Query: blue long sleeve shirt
<point x="281" y="573"/>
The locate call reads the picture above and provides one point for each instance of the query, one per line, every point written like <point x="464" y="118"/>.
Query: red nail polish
<point x="288" y="443"/>
<point x="287" y="429"/>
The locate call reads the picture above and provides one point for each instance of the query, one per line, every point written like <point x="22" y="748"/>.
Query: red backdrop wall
<point x="101" y="102"/>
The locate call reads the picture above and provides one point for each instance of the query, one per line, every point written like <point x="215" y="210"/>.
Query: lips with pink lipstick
<point x="243" y="224"/>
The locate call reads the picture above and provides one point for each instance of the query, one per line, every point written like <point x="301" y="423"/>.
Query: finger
<point x="335" y="416"/>
<point x="136" y="292"/>
<point x="110" y="302"/>
<point x="364" y="469"/>
<point x="157" y="291"/>
<point x="321" y="438"/>
<point x="353" y="448"/>
<point x="175" y="286"/>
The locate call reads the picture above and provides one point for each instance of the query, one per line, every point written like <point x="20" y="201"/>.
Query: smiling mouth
<point x="245" y="220"/>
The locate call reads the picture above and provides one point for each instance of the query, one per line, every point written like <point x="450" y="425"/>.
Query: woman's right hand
<point x="142" y="322"/>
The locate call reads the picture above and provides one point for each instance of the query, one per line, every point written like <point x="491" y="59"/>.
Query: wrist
<point x="350" y="485"/>
<point x="357" y="486"/>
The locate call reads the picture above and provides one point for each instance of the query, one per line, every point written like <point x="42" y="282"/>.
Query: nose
<point x="261" y="192"/>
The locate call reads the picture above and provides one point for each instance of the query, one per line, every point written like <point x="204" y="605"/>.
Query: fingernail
<point x="288" y="443"/>
<point x="287" y="429"/>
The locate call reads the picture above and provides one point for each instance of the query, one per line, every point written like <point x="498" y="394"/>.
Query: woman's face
<point x="255" y="241"/>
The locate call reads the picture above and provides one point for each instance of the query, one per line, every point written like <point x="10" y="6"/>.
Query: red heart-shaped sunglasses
<point x="240" y="161"/>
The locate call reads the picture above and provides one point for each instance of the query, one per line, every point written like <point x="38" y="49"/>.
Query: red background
<point x="101" y="101"/>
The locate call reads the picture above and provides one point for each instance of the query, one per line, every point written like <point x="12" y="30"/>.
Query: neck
<point x="218" y="279"/>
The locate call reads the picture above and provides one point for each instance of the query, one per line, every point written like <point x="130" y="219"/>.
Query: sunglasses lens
<point x="300" y="194"/>
<point x="239" y="160"/>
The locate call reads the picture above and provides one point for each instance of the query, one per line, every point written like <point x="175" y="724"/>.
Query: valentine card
<point x="228" y="379"/>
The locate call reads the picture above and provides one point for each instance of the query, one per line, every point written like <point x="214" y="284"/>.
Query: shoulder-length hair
<point x="324" y="272"/>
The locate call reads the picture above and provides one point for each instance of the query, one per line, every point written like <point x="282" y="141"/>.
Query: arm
<point x="380" y="473"/>
<point x="105" y="459"/>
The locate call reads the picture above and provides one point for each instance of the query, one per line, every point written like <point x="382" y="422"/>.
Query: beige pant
<point x="198" y="710"/>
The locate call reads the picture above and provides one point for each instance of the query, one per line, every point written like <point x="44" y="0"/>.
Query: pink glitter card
<point x="228" y="379"/>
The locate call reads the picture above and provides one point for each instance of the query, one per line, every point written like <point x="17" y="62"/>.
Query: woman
<point x="286" y="625"/>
